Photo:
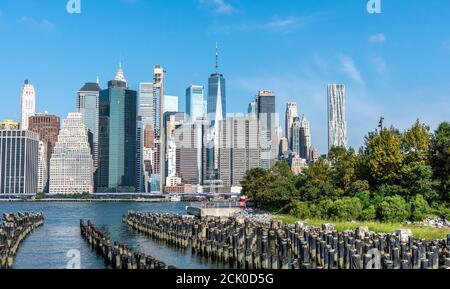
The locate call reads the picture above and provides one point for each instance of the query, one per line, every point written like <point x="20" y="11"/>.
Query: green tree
<point x="282" y="169"/>
<point x="346" y="209"/>
<point x="318" y="182"/>
<point x="416" y="144"/>
<point x="440" y="158"/>
<point x="419" y="208"/>
<point x="343" y="166"/>
<point x="255" y="182"/>
<point x="279" y="195"/>
<point x="383" y="157"/>
<point x="419" y="181"/>
<point x="393" y="209"/>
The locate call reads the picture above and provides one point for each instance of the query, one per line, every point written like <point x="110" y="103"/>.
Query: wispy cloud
<point x="44" y="24"/>
<point x="377" y="38"/>
<point x="348" y="67"/>
<point x="286" y="24"/>
<point x="218" y="6"/>
<point x="379" y="64"/>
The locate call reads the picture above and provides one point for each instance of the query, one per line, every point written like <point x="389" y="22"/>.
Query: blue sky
<point x="394" y="64"/>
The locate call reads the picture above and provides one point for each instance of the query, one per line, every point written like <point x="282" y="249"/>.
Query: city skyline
<point x="376" y="60"/>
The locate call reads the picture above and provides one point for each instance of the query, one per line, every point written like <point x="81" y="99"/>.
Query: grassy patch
<point x="428" y="233"/>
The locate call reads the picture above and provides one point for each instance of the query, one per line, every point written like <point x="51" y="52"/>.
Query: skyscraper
<point x="191" y="150"/>
<point x="305" y="138"/>
<point x="195" y="103"/>
<point x="238" y="148"/>
<point x="71" y="165"/>
<point x="87" y="105"/>
<point x="149" y="114"/>
<point x="267" y="125"/>
<point x="252" y="108"/>
<point x="170" y="103"/>
<point x="117" y="136"/>
<point x="159" y="89"/>
<point x="19" y="150"/>
<point x="291" y="113"/>
<point x="172" y="121"/>
<point x="147" y="104"/>
<point x="27" y="104"/>
<point x="47" y="126"/>
<point x="337" y="124"/>
<point x="140" y="167"/>
<point x="217" y="105"/>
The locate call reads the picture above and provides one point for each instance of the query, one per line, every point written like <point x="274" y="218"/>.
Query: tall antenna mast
<point x="217" y="57"/>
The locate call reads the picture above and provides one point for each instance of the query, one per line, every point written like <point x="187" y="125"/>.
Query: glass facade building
<point x="195" y="102"/>
<point x="87" y="105"/>
<point x="117" y="138"/>
<point x="217" y="105"/>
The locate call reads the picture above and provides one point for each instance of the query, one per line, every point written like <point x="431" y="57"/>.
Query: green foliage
<point x="419" y="208"/>
<point x="383" y="157"/>
<point x="343" y="167"/>
<point x="279" y="194"/>
<point x="440" y="158"/>
<point x="393" y="177"/>
<point x="255" y="181"/>
<point x="369" y="213"/>
<point x="346" y="209"/>
<point x="393" y="209"/>
<point x="300" y="210"/>
<point x="419" y="181"/>
<point x="323" y="209"/>
<point x="39" y="196"/>
<point x="416" y="144"/>
<point x="318" y="182"/>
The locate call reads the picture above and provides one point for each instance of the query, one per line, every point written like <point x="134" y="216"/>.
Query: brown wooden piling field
<point x="246" y="244"/>
<point x="13" y="230"/>
<point x="117" y="255"/>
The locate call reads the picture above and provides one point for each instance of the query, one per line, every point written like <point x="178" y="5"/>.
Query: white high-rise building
<point x="170" y="103"/>
<point x="27" y="104"/>
<point x="337" y="124"/>
<point x="42" y="169"/>
<point x="291" y="114"/>
<point x="71" y="165"/>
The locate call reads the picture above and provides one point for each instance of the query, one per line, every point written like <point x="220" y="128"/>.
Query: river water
<point x="48" y="246"/>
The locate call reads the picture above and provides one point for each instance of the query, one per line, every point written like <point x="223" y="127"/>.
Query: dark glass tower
<point x="217" y="99"/>
<point x="117" y="137"/>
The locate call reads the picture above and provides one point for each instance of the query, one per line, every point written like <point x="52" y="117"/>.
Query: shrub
<point x="300" y="210"/>
<point x="419" y="208"/>
<point x="369" y="214"/>
<point x="323" y="209"/>
<point x="346" y="209"/>
<point x="364" y="197"/>
<point x="393" y="209"/>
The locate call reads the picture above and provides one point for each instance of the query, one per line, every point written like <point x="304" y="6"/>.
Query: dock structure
<point x="117" y="255"/>
<point x="243" y="243"/>
<point x="13" y="231"/>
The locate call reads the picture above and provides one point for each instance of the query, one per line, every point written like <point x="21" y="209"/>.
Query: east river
<point x="48" y="246"/>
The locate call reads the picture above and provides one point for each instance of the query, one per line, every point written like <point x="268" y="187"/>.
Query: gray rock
<point x="403" y="234"/>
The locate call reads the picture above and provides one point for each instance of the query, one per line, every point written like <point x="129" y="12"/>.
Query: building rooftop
<point x="90" y="86"/>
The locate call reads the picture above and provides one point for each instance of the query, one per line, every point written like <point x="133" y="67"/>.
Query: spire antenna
<point x="217" y="57"/>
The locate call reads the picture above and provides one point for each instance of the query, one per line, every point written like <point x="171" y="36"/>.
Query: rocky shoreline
<point x="263" y="218"/>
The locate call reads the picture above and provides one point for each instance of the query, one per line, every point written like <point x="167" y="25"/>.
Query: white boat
<point x="175" y="199"/>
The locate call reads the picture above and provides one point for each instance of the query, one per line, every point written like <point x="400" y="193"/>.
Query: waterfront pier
<point x="13" y="230"/>
<point x="243" y="243"/>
